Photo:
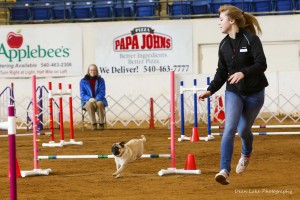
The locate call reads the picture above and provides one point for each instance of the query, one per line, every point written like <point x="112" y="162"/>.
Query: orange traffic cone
<point x="18" y="171"/>
<point x="190" y="163"/>
<point x="219" y="111"/>
<point x="195" y="135"/>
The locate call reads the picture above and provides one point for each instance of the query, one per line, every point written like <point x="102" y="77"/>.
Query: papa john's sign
<point x="41" y="51"/>
<point x="148" y="49"/>
<point x="142" y="38"/>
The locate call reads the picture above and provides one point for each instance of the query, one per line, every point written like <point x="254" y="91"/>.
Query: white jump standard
<point x="195" y="133"/>
<point x="61" y="125"/>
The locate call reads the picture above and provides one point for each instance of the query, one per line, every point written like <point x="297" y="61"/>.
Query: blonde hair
<point x="243" y="19"/>
<point x="92" y="65"/>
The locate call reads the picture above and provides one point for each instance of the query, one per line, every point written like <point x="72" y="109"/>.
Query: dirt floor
<point x="272" y="174"/>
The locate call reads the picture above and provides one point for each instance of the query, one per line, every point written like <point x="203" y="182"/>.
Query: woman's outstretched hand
<point x="204" y="95"/>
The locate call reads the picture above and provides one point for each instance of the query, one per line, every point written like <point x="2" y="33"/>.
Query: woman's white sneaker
<point x="222" y="177"/>
<point x="242" y="164"/>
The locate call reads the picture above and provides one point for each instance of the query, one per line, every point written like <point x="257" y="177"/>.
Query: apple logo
<point x="14" y="40"/>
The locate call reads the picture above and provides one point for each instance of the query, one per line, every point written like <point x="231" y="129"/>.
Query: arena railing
<point x="125" y="111"/>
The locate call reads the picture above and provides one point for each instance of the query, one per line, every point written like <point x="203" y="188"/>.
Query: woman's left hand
<point x="236" y="77"/>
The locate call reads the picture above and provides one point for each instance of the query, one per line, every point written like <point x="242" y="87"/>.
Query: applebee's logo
<point x="15" y="41"/>
<point x="142" y="38"/>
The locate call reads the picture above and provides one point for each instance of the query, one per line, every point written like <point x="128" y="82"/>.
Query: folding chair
<point x="84" y="115"/>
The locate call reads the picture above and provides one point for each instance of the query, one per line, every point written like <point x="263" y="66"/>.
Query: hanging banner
<point x="40" y="51"/>
<point x="152" y="49"/>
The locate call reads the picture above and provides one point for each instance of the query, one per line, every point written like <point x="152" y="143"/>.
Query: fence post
<point x="151" y="121"/>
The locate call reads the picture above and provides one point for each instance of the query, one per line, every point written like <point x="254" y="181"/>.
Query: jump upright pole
<point x="209" y="135"/>
<point x="183" y="137"/>
<point x="172" y="117"/>
<point x="61" y="115"/>
<point x="12" y="152"/>
<point x="36" y="170"/>
<point x="51" y="111"/>
<point x="195" y="128"/>
<point x="72" y="140"/>
<point x="34" y="124"/>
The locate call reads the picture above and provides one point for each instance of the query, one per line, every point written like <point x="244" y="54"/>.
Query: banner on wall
<point x="40" y="51"/>
<point x="130" y="49"/>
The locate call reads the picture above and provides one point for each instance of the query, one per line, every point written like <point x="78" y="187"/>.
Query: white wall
<point x="281" y="40"/>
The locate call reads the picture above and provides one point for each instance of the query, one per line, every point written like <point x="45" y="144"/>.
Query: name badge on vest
<point x="243" y="50"/>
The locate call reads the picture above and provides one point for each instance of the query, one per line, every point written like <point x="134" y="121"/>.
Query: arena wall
<point x="281" y="40"/>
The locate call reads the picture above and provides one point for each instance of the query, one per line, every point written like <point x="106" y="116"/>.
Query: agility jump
<point x="210" y="135"/>
<point x="60" y="95"/>
<point x="195" y="133"/>
<point x="172" y="169"/>
<point x="100" y="156"/>
<point x="36" y="170"/>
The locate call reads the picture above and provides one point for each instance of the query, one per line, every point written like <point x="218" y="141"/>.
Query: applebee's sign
<point x="41" y="51"/>
<point x="15" y="52"/>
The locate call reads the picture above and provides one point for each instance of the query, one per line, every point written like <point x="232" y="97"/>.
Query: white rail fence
<point x="135" y="112"/>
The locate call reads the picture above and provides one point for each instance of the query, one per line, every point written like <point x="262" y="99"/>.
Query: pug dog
<point x="125" y="153"/>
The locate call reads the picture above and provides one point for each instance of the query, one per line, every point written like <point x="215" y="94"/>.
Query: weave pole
<point x="172" y="169"/>
<point x="36" y="170"/>
<point x="12" y="152"/>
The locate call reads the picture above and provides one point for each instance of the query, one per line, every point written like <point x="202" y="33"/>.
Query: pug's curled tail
<point x="143" y="138"/>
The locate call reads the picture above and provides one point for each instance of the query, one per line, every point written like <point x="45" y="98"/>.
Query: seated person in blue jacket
<point x="92" y="93"/>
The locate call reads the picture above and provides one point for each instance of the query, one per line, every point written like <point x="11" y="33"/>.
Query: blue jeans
<point x="240" y="113"/>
